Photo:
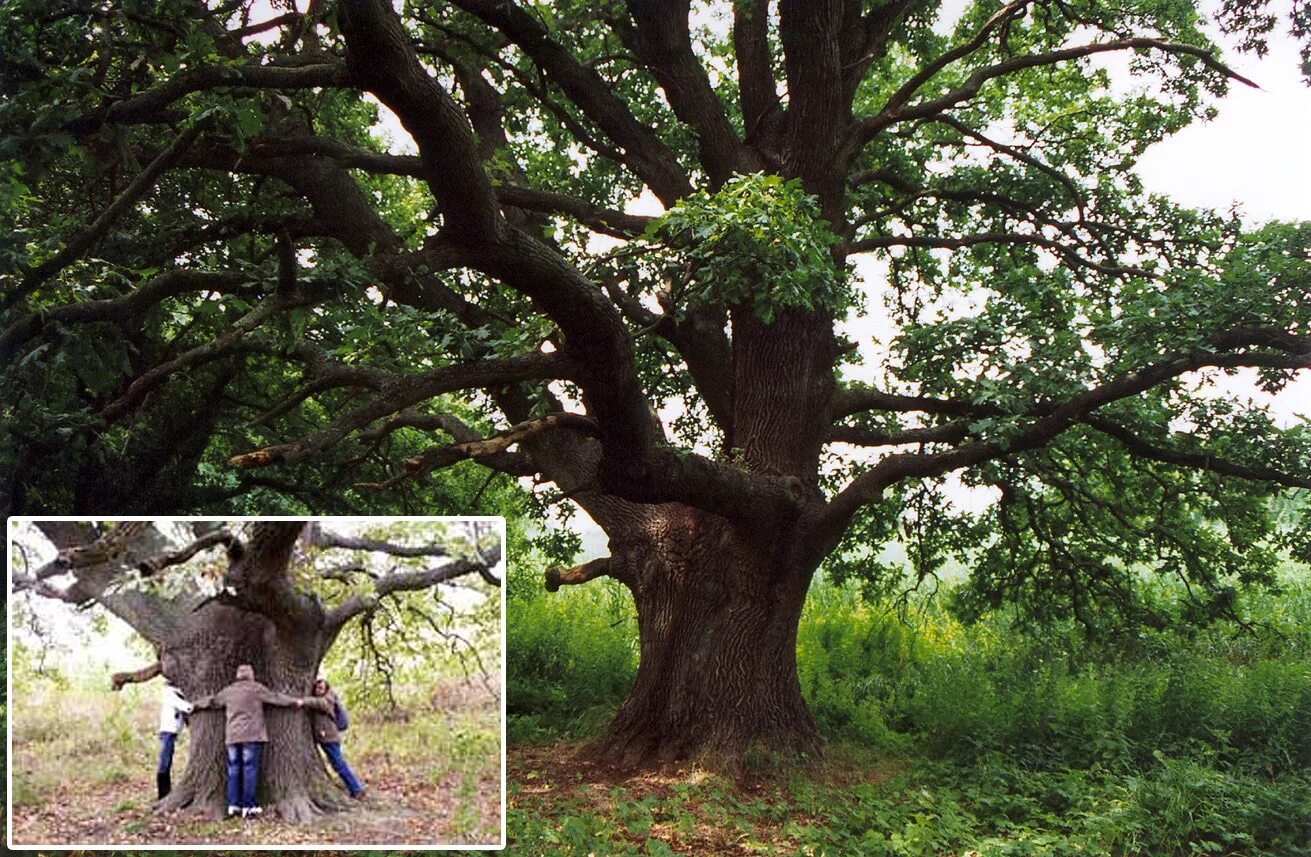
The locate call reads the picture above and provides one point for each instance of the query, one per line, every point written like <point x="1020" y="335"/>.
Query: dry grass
<point x="84" y="766"/>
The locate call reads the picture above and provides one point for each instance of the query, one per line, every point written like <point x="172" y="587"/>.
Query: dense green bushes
<point x="1058" y="698"/>
<point x="1182" y="741"/>
<point x="572" y="656"/>
<point x="884" y="679"/>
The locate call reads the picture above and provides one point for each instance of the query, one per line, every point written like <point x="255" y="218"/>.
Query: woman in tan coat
<point x="327" y="731"/>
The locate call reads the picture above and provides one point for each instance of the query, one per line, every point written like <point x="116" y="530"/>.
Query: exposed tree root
<point x="184" y="798"/>
<point x="304" y="808"/>
<point x="732" y="753"/>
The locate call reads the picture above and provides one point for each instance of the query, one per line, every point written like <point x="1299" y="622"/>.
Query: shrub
<point x="572" y="656"/>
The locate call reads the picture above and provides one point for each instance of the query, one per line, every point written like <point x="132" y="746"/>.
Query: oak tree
<point x="321" y="252"/>
<point x="278" y="595"/>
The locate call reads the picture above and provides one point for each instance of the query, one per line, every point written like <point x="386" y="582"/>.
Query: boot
<point x="165" y="783"/>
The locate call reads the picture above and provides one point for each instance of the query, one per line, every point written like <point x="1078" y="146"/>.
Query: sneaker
<point x="251" y="810"/>
<point x="233" y="810"/>
<point x="359" y="795"/>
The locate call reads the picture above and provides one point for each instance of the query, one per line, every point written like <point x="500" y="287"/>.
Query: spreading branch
<point x="151" y="105"/>
<point x="1141" y="447"/>
<point x="125" y="309"/>
<point x="1293" y="353"/>
<point x="154" y="564"/>
<point x="407" y="581"/>
<point x="492" y="452"/>
<point x="404" y="391"/>
<point x="896" y="109"/>
<point x="641" y="150"/>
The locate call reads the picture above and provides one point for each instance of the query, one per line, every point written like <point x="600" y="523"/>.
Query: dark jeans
<point x="167" y="741"/>
<point x="338" y="762"/>
<point x="243" y="772"/>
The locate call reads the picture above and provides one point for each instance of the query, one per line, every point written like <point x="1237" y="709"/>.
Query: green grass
<point x="952" y="738"/>
<point x="460" y="743"/>
<point x="991" y="806"/>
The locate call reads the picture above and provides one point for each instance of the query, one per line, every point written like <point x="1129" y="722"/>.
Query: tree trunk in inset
<point x="717" y="616"/>
<point x="202" y="660"/>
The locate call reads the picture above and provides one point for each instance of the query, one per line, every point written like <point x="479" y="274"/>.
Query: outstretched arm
<point x="272" y="697"/>
<point x="320" y="703"/>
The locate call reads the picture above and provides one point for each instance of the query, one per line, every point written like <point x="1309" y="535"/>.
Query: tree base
<point x="625" y="747"/>
<point x="298" y="809"/>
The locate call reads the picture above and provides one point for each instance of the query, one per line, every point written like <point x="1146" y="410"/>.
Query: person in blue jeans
<point x="173" y="711"/>
<point x="329" y="720"/>
<point x="245" y="734"/>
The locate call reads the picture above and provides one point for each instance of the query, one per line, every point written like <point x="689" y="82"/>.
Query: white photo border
<point x="17" y="520"/>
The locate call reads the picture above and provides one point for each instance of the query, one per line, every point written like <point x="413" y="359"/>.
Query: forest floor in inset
<point x="84" y="774"/>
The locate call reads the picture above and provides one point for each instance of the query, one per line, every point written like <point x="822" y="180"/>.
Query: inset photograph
<point x="256" y="682"/>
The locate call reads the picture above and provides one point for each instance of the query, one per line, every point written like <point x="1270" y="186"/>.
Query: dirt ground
<point x="432" y="778"/>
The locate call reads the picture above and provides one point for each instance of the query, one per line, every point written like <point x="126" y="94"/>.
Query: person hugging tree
<point x="173" y="711"/>
<point x="329" y="720"/>
<point x="245" y="734"/>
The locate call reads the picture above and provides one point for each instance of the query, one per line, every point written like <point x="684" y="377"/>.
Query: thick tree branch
<point x="146" y="673"/>
<point x="897" y="110"/>
<point x="663" y="41"/>
<point x="229" y="342"/>
<point x="158" y="562"/>
<point x="1140" y="447"/>
<point x="96" y="562"/>
<point x="641" y="150"/>
<point x="406" y="390"/>
<point x="945" y="433"/>
<point x="121" y="310"/>
<point x="151" y="105"/>
<point x="579" y="574"/>
<point x="607" y="221"/>
<point x="492" y="452"/>
<point x="321" y="538"/>
<point x="757" y="89"/>
<point x="854" y="400"/>
<point x="596" y="339"/>
<point x="408" y="581"/>
<point x="907" y="90"/>
<point x="1056" y="418"/>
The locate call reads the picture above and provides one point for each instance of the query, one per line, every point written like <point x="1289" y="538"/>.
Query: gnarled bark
<point x="718" y="609"/>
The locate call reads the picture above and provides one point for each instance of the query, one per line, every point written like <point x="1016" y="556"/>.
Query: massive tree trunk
<point x="718" y="610"/>
<point x="293" y="783"/>
<point x="719" y="600"/>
